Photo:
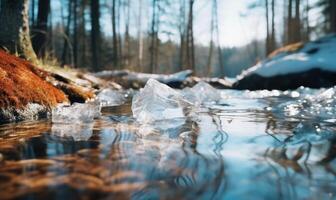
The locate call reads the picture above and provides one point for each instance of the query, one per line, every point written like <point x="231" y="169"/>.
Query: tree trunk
<point x="219" y="49"/>
<point x="83" y="61"/>
<point x="182" y="30"/>
<point x="140" y="38"/>
<point x="290" y="22"/>
<point x="297" y="24"/>
<point x="120" y="49"/>
<point x="332" y="16"/>
<point x="190" y="38"/>
<point x="40" y="32"/>
<point x="95" y="34"/>
<point x="211" y="45"/>
<point x="115" y="56"/>
<point x="75" y="33"/>
<point x="153" y="46"/>
<point x="66" y="41"/>
<point x="307" y="31"/>
<point x="267" y="29"/>
<point x="14" y="22"/>
<point x="127" y="35"/>
<point x="273" y="42"/>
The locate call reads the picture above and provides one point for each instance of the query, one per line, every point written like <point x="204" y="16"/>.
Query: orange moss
<point x="21" y="83"/>
<point x="287" y="49"/>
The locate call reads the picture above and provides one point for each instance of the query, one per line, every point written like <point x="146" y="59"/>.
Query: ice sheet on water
<point x="76" y="113"/>
<point x="109" y="97"/>
<point x="201" y="93"/>
<point x="157" y="101"/>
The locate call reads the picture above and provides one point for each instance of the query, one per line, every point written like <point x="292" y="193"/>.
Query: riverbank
<point x="28" y="92"/>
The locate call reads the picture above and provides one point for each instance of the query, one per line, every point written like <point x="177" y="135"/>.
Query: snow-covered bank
<point x="312" y="65"/>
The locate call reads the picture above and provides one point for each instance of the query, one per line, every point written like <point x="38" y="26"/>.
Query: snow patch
<point x="319" y="54"/>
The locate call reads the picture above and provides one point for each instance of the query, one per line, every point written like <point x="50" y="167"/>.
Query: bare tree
<point x="140" y="37"/>
<point x="153" y="49"/>
<point x="182" y="32"/>
<point x="270" y="27"/>
<point x="75" y="32"/>
<point x="66" y="36"/>
<point x="14" y="23"/>
<point x="190" y="49"/>
<point x="212" y="30"/>
<point x="273" y="42"/>
<point x="290" y="22"/>
<point x="95" y="34"/>
<point x="40" y="36"/>
<point x="115" y="53"/>
<point x="297" y="22"/>
<point x="127" y="34"/>
<point x="332" y="16"/>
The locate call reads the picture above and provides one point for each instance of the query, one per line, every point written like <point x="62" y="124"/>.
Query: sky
<point x="237" y="24"/>
<point x="237" y="27"/>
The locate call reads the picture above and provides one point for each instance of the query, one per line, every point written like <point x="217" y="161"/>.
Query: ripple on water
<point x="279" y="146"/>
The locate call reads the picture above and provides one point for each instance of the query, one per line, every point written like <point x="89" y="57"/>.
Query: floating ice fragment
<point x="202" y="93"/>
<point x="157" y="101"/>
<point x="78" y="132"/>
<point x="319" y="105"/>
<point x="76" y="113"/>
<point x="109" y="97"/>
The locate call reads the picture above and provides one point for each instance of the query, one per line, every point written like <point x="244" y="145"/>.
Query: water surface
<point x="245" y="147"/>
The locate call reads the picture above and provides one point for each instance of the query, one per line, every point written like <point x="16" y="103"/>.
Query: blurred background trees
<point x="154" y="36"/>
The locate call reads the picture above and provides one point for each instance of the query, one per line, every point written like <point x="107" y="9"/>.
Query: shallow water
<point x="252" y="145"/>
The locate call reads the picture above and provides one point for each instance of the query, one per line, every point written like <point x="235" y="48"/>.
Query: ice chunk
<point x="202" y="93"/>
<point x="157" y="101"/>
<point x="320" y="105"/>
<point x="78" y="132"/>
<point x="76" y="113"/>
<point x="109" y="97"/>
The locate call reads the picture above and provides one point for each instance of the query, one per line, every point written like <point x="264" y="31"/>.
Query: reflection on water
<point x="242" y="150"/>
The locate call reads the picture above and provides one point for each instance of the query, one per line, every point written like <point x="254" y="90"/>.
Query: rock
<point x="24" y="94"/>
<point x="31" y="111"/>
<point x="311" y="65"/>
<point x="157" y="101"/>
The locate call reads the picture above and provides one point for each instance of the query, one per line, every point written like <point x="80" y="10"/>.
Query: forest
<point x="161" y="40"/>
<point x="167" y="99"/>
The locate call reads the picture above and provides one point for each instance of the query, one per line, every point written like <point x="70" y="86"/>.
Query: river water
<point x="252" y="145"/>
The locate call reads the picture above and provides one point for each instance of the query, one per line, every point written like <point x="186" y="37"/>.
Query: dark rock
<point x="314" y="78"/>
